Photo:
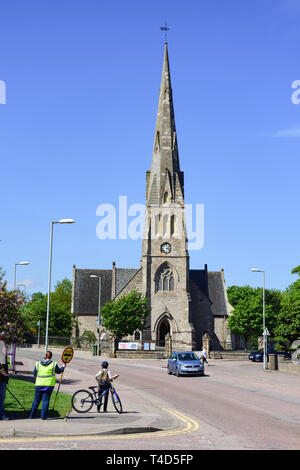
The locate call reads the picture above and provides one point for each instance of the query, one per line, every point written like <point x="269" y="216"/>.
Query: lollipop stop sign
<point x="67" y="355"/>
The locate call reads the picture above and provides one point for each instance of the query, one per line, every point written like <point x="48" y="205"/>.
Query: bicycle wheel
<point x="82" y="401"/>
<point x="116" y="401"/>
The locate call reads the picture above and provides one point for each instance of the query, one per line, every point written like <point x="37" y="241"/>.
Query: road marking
<point x="190" y="426"/>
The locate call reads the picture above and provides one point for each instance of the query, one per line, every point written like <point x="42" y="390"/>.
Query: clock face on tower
<point x="165" y="248"/>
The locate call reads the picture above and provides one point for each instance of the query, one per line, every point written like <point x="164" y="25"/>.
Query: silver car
<point x="185" y="363"/>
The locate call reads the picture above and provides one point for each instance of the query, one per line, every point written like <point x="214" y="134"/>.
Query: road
<point x="236" y="405"/>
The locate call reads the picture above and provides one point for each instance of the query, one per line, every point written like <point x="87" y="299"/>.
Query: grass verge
<point x="24" y="390"/>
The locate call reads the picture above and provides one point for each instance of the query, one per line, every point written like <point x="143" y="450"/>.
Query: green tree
<point x="247" y="317"/>
<point x="123" y="316"/>
<point x="60" y="317"/>
<point x="2" y="275"/>
<point x="288" y="328"/>
<point x="11" y="322"/>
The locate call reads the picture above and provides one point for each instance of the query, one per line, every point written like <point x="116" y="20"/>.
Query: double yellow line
<point x="190" y="426"/>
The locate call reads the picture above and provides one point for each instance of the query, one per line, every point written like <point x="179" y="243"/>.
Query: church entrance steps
<point x="230" y="355"/>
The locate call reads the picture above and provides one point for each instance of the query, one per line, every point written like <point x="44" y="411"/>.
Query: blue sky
<point x="82" y="80"/>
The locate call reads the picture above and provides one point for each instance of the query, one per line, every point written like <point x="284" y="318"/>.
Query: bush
<point x="86" y="339"/>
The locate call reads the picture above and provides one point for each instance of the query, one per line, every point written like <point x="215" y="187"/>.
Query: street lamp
<point x="23" y="285"/>
<point x="265" y="331"/>
<point x="99" y="317"/>
<point x="22" y="263"/>
<point x="61" y="221"/>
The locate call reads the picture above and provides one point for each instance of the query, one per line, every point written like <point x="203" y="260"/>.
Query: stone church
<point x="185" y="303"/>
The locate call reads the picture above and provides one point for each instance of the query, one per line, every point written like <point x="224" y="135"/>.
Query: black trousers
<point x="101" y="389"/>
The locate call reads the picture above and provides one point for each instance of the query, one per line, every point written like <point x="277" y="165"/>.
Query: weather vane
<point x="165" y="29"/>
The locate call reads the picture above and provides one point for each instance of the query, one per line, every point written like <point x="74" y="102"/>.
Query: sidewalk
<point x="137" y="417"/>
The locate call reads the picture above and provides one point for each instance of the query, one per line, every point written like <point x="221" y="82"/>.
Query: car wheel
<point x="169" y="372"/>
<point x="177" y="372"/>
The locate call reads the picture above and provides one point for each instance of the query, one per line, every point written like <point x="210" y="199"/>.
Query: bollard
<point x="273" y="361"/>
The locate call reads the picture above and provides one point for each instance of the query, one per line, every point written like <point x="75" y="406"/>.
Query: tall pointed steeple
<point x="165" y="175"/>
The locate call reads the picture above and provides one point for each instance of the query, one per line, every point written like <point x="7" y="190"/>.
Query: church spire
<point x="165" y="169"/>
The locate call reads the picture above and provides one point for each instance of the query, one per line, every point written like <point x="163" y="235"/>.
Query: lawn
<point x="24" y="390"/>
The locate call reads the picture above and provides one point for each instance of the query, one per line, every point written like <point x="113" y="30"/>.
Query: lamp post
<point x="99" y="316"/>
<point x="39" y="329"/>
<point x="22" y="263"/>
<point x="61" y="221"/>
<point x="23" y="285"/>
<point x="265" y="332"/>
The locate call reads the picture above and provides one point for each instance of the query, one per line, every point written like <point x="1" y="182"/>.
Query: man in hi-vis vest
<point x="44" y="372"/>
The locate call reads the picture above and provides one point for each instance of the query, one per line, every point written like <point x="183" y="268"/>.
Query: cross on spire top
<point x="165" y="29"/>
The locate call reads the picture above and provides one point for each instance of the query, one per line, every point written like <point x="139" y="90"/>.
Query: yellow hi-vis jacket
<point x="45" y="375"/>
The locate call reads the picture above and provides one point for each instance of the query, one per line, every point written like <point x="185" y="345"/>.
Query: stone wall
<point x="87" y="322"/>
<point x="288" y="367"/>
<point x="140" y="354"/>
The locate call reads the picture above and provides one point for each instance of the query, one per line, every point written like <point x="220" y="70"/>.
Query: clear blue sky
<point x="77" y="129"/>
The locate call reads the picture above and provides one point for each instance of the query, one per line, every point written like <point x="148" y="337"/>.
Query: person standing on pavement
<point x="204" y="356"/>
<point x="3" y="377"/>
<point x="104" y="378"/>
<point x="44" y="372"/>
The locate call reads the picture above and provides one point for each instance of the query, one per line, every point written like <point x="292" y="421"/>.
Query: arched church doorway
<point x="162" y="331"/>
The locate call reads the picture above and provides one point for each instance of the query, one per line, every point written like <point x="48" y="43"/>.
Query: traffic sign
<point x="266" y="332"/>
<point x="67" y="355"/>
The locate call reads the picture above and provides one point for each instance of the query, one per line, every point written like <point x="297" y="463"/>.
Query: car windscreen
<point x="188" y="357"/>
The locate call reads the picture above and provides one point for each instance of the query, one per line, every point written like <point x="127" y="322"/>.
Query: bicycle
<point x="83" y="400"/>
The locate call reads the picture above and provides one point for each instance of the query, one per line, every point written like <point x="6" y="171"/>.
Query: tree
<point x="2" y="275"/>
<point x="60" y="318"/>
<point x="288" y="328"/>
<point x="123" y="316"/>
<point x="11" y="322"/>
<point x="247" y="317"/>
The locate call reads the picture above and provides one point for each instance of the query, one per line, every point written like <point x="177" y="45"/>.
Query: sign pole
<point x="58" y="389"/>
<point x="66" y="357"/>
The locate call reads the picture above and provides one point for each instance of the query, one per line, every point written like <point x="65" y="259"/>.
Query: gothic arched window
<point x="137" y="335"/>
<point x="164" y="279"/>
<point x="172" y="229"/>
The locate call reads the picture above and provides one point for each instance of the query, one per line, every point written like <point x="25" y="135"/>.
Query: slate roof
<point x="216" y="294"/>
<point x="198" y="279"/>
<point x="123" y="276"/>
<point x="86" y="291"/>
<point x="210" y="284"/>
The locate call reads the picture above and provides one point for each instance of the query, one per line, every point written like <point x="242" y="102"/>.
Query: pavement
<point x="138" y="416"/>
<point x="138" y="419"/>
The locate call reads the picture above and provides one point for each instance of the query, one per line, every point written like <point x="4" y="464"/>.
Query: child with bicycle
<point x="104" y="378"/>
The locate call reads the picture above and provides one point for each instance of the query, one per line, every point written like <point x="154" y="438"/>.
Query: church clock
<point x="165" y="248"/>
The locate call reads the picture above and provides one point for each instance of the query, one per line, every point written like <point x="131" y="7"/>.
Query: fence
<point x="62" y="341"/>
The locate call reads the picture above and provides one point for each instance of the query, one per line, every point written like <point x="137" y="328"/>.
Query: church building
<point x="185" y="303"/>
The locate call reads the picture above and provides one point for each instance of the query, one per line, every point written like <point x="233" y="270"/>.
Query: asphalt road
<point x="236" y="405"/>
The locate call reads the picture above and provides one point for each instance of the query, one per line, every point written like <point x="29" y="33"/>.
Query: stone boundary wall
<point x="138" y="354"/>
<point x="288" y="367"/>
